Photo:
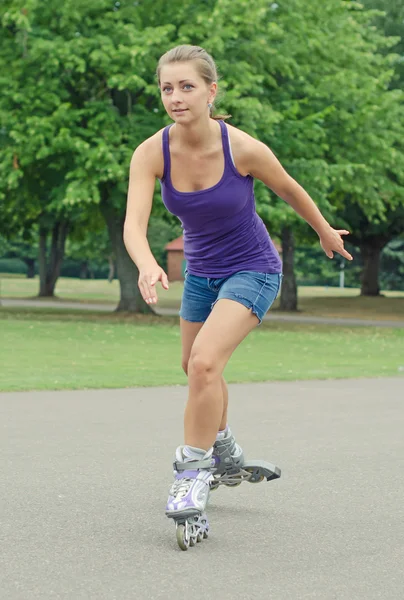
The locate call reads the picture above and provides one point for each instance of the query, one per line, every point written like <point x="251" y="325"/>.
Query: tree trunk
<point x="42" y="261"/>
<point x="370" y="253"/>
<point x="30" y="262"/>
<point x="289" y="287"/>
<point x="84" y="271"/>
<point x="127" y="272"/>
<point x="49" y="266"/>
<point x="111" y="273"/>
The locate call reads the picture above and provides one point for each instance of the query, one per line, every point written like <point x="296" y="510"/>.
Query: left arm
<point x="263" y="164"/>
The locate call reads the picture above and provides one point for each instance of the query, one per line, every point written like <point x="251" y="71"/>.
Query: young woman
<point x="207" y="170"/>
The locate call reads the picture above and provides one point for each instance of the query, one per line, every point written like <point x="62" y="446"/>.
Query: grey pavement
<point x="271" y="316"/>
<point x="85" y="476"/>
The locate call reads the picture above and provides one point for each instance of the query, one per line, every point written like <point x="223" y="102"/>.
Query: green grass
<point x="55" y="349"/>
<point x="67" y="288"/>
<point x="319" y="301"/>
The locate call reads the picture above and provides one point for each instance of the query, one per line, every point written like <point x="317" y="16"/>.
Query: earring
<point x="209" y="105"/>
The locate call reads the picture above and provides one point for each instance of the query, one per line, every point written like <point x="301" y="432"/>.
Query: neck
<point x="196" y="135"/>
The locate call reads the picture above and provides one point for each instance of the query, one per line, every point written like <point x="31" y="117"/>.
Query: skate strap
<point x="193" y="464"/>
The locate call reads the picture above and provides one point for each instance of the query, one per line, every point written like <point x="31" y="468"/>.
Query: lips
<point x="180" y="110"/>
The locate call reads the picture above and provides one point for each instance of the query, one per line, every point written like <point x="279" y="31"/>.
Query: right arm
<point x="142" y="178"/>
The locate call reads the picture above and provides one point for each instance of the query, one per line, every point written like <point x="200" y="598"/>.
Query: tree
<point x="34" y="164"/>
<point x="302" y="76"/>
<point x="319" y="81"/>
<point x="373" y="232"/>
<point x="75" y="107"/>
<point x="372" y="236"/>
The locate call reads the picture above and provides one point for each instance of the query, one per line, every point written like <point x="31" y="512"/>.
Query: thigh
<point x="189" y="331"/>
<point x="197" y="299"/>
<point x="227" y="325"/>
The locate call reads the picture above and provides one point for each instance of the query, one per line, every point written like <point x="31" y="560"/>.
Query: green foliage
<point x="90" y="246"/>
<point x="20" y="246"/>
<point x="312" y="267"/>
<point x="159" y="234"/>
<point x="390" y="19"/>
<point x="86" y="243"/>
<point x="392" y="265"/>
<point x="12" y="265"/>
<point x="314" y="80"/>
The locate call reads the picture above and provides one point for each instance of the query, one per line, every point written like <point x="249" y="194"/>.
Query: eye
<point x="167" y="89"/>
<point x="188" y="85"/>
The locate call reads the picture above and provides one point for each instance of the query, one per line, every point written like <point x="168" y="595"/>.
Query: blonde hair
<point x="204" y="63"/>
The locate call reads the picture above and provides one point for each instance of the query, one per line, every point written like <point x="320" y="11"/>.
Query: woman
<point x="207" y="170"/>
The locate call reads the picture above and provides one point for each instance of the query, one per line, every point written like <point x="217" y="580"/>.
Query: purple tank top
<point x="222" y="232"/>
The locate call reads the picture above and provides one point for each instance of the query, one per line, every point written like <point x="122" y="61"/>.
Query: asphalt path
<point x="85" y="476"/>
<point x="270" y="316"/>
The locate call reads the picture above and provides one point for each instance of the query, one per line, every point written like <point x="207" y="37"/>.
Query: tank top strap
<point x="226" y="147"/>
<point x="166" y="153"/>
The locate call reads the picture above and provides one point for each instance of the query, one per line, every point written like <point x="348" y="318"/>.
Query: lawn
<point x="54" y="349"/>
<point x="320" y="301"/>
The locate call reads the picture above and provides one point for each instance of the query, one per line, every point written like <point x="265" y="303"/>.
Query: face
<point x="184" y="93"/>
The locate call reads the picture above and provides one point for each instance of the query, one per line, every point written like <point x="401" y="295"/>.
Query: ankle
<point x="222" y="433"/>
<point x="193" y="453"/>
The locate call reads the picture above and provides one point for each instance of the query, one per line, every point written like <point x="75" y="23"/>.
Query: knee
<point x="201" y="367"/>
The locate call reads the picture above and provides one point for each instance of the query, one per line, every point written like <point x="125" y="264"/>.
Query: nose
<point x="176" y="96"/>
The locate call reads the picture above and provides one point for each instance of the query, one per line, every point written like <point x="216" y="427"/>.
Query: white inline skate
<point x="231" y="469"/>
<point x="189" y="496"/>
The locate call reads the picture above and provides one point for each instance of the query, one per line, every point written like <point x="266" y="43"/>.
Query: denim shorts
<point x="254" y="290"/>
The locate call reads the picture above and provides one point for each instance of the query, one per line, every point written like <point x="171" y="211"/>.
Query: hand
<point x="331" y="241"/>
<point x="148" y="277"/>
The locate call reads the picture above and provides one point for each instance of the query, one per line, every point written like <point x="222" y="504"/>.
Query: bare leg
<point x="226" y="327"/>
<point x="225" y="393"/>
<point x="189" y="331"/>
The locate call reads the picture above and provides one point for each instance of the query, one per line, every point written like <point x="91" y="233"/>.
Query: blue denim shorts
<point x="254" y="290"/>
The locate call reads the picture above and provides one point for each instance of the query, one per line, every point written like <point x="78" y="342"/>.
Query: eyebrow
<point x="182" y="81"/>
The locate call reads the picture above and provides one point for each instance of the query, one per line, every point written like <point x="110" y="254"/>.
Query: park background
<point x="320" y="83"/>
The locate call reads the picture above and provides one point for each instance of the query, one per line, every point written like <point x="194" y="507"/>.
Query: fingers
<point x="164" y="280"/>
<point x="148" y="290"/>
<point x="345" y="254"/>
<point x="147" y="284"/>
<point x="335" y="243"/>
<point x="342" y="250"/>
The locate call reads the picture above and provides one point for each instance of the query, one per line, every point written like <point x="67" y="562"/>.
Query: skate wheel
<point x="199" y="537"/>
<point x="233" y="484"/>
<point x="182" y="540"/>
<point x="192" y="541"/>
<point x="205" y="534"/>
<point x="256" y="478"/>
<point x="261" y="478"/>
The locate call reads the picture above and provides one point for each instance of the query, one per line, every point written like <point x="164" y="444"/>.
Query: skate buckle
<point x="192" y="465"/>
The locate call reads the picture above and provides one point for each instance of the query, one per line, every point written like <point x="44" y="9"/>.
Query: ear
<point x="212" y="92"/>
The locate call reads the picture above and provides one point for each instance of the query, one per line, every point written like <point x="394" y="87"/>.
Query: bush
<point x="313" y="267"/>
<point x="13" y="265"/>
<point x="392" y="266"/>
<point x="72" y="268"/>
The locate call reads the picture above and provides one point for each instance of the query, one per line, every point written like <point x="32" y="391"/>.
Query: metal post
<point x="342" y="274"/>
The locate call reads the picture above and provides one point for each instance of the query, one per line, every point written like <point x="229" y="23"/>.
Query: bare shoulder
<point x="245" y="149"/>
<point x="257" y="159"/>
<point x="149" y="155"/>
